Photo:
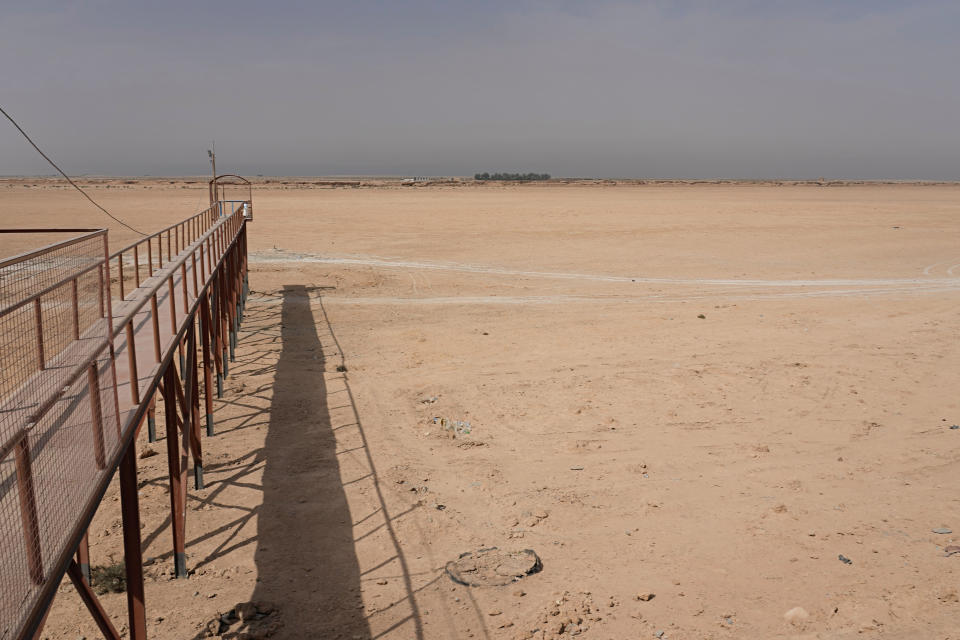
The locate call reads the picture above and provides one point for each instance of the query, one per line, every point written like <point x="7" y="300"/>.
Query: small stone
<point x="576" y="468"/>
<point x="658" y="634"/>
<point x="381" y="582"/>
<point x="519" y="593"/>
<point x="951" y="549"/>
<point x="540" y="513"/>
<point x="494" y="612"/>
<point x="245" y="611"/>
<point x="646" y="596"/>
<point x="795" y="615"/>
<point x="147" y="453"/>
<point x="942" y="530"/>
<point x="844" y="559"/>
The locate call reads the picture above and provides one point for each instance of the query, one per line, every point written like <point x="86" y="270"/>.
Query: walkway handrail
<point x="211" y="240"/>
<point x="70" y="433"/>
<point x="178" y="236"/>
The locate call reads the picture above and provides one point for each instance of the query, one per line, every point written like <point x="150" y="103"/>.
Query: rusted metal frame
<point x="92" y="603"/>
<point x="149" y="259"/>
<point x="232" y="301"/>
<point x="224" y="318"/>
<point x="146" y="240"/>
<point x="246" y="268"/>
<point x="176" y="467"/>
<point x="28" y="508"/>
<point x="40" y="408"/>
<point x="83" y="556"/>
<point x="136" y="264"/>
<point x="155" y="322"/>
<point x="132" y="550"/>
<point x="38" y="319"/>
<point x="176" y="239"/>
<point x="205" y="329"/>
<point x="193" y="270"/>
<point x="120" y="275"/>
<point x="152" y="419"/>
<point x="215" y="332"/>
<point x="191" y="404"/>
<point x="22" y="302"/>
<point x="103" y="311"/>
<point x="38" y="634"/>
<point x="159" y="252"/>
<point x="173" y="305"/>
<point x="75" y="301"/>
<point x="155" y="317"/>
<point x="170" y="253"/>
<point x="183" y="280"/>
<point x="96" y="416"/>
<point x="35" y="253"/>
<point x="133" y="558"/>
<point x="203" y="261"/>
<point x="132" y="365"/>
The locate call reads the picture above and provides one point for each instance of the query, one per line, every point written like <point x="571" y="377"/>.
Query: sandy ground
<point x="708" y="393"/>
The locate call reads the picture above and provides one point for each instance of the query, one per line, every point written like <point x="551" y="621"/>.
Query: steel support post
<point x="132" y="553"/>
<point x="207" y="373"/>
<point x="83" y="556"/>
<point x="175" y="465"/>
<point x="152" y="419"/>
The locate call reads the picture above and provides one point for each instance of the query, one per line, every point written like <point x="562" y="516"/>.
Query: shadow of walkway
<point x="306" y="558"/>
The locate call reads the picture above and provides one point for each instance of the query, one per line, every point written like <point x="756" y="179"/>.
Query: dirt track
<point x="722" y="463"/>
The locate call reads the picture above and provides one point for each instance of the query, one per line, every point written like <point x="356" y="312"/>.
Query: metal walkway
<point x="88" y="343"/>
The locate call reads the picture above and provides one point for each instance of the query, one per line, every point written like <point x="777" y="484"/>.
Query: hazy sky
<point x="765" y="89"/>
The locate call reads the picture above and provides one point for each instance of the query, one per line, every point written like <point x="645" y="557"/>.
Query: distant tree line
<point x="511" y="176"/>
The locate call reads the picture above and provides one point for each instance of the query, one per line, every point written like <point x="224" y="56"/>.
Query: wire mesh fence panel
<point x="58" y="414"/>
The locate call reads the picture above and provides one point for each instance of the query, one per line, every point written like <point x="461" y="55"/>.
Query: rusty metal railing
<point x="59" y="423"/>
<point x="63" y="434"/>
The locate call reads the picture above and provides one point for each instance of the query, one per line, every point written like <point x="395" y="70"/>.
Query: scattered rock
<point x="701" y="316"/>
<point x="951" y="549"/>
<point x="844" y="559"/>
<point x="494" y="612"/>
<point x="341" y="368"/>
<point x="572" y="614"/>
<point x="955" y="426"/>
<point x="645" y="596"/>
<point x="942" y="530"/>
<point x="795" y="615"/>
<point x="576" y="468"/>
<point x="147" y="453"/>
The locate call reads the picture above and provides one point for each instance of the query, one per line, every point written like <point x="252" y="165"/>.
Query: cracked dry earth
<point x="690" y="401"/>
